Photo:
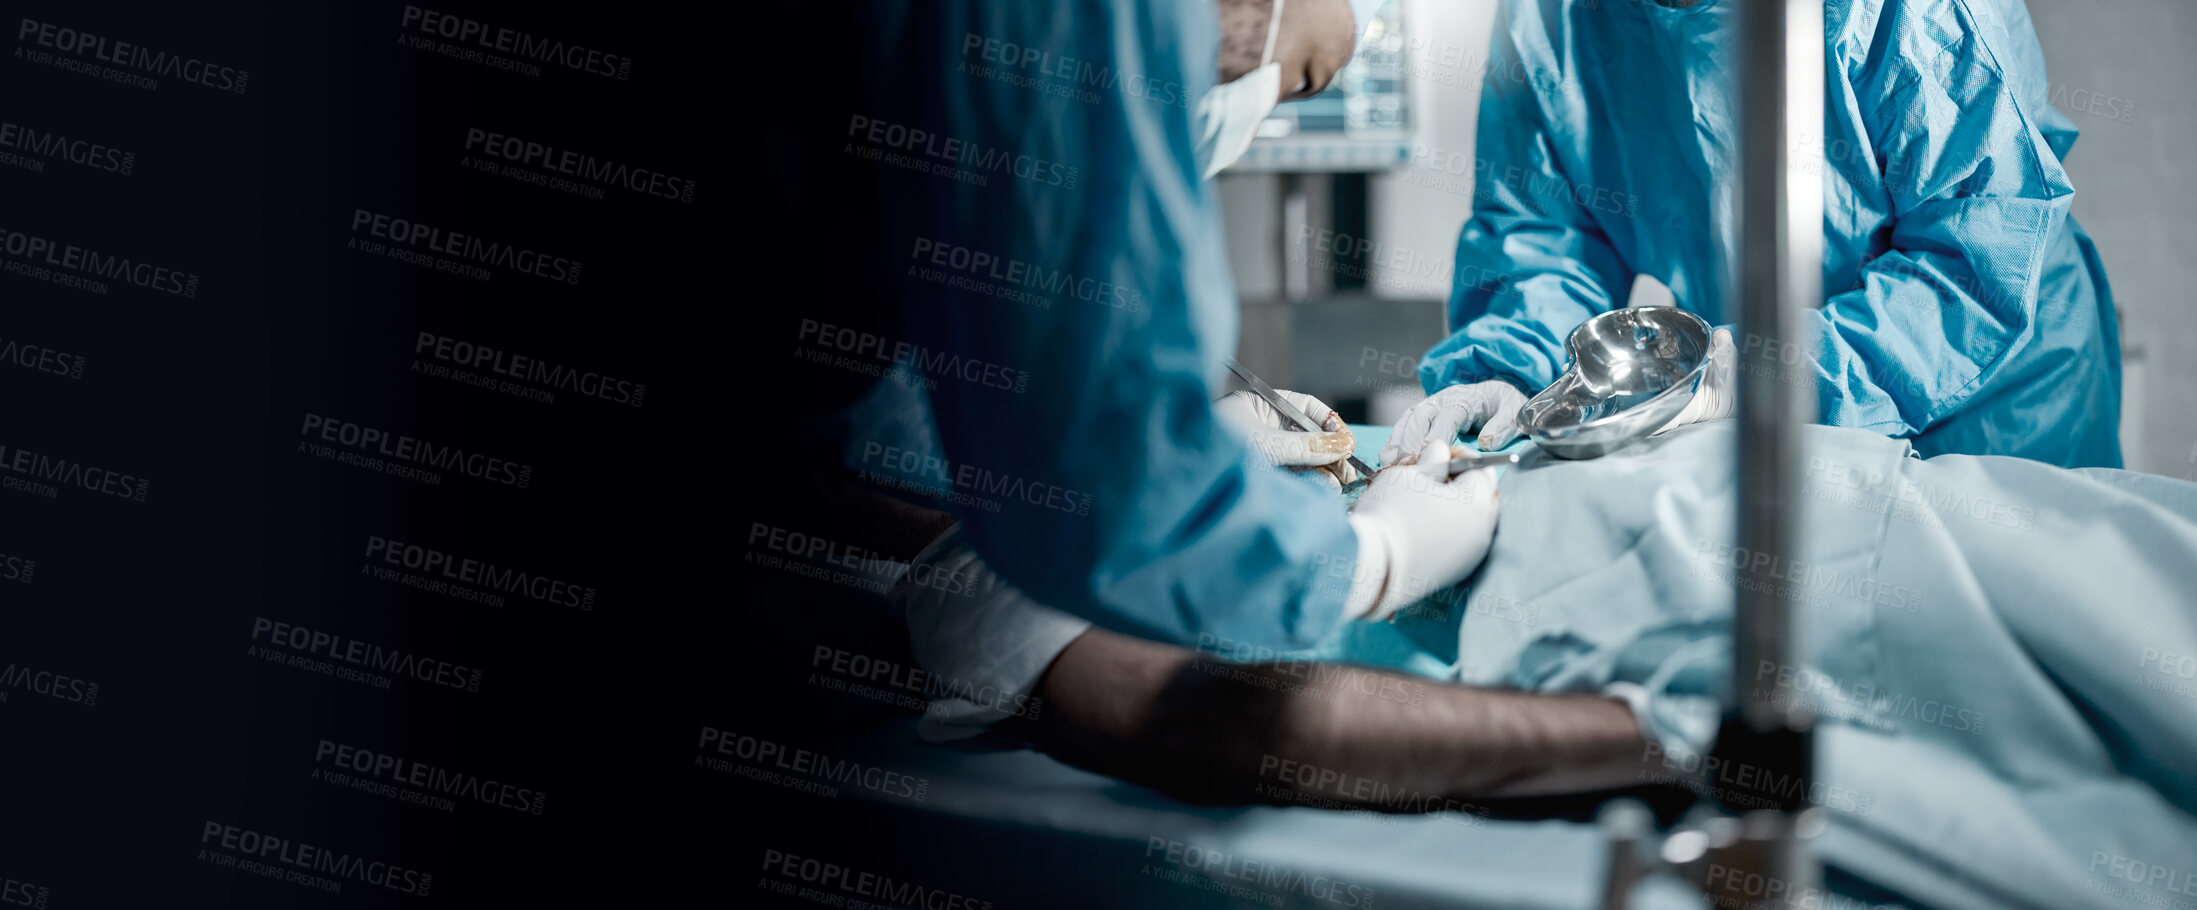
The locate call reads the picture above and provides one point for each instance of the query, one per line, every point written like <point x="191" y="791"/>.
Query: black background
<point x="104" y="805"/>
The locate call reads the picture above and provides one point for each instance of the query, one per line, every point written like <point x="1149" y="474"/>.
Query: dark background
<point x="103" y="802"/>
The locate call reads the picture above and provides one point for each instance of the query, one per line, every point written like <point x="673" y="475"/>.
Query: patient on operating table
<point x="1989" y="616"/>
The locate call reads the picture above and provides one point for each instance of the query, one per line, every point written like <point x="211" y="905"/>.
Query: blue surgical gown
<point x="1059" y="304"/>
<point x="1965" y="309"/>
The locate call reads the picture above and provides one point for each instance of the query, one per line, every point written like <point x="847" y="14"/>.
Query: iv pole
<point x="1753" y="851"/>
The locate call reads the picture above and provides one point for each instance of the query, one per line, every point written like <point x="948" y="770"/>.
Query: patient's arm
<point x="1176" y="719"/>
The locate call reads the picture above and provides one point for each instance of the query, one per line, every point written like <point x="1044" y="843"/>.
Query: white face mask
<point x="1229" y="114"/>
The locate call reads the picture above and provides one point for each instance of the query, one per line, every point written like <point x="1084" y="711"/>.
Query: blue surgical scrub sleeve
<point x="1964" y="308"/>
<point x="1531" y="263"/>
<point x="1051" y="230"/>
<point x="1976" y="196"/>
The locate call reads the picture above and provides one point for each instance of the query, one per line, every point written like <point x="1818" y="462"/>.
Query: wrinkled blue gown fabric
<point x="2003" y="654"/>
<point x="1965" y="309"/>
<point x="1061" y="283"/>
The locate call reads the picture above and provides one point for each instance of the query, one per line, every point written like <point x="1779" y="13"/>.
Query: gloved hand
<point x="1418" y="531"/>
<point x="1490" y="407"/>
<point x="1718" y="394"/>
<point x="1278" y="440"/>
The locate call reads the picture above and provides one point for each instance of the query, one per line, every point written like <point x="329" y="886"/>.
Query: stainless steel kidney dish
<point x="1632" y="370"/>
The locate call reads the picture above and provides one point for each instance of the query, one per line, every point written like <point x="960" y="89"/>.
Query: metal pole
<point x="1781" y="276"/>
<point x="1296" y="214"/>
<point x="1754" y="854"/>
<point x="1767" y="734"/>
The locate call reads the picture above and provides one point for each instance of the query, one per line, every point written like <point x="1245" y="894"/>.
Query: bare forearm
<point x="1349" y="734"/>
<point x="1468" y="742"/>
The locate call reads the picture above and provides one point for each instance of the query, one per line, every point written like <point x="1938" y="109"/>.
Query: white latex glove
<point x="1718" y="394"/>
<point x="1418" y="532"/>
<point x="1490" y="407"/>
<point x="1277" y="439"/>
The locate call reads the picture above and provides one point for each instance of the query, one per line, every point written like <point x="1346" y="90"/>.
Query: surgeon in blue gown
<point x="1964" y="309"/>
<point x="1002" y="214"/>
